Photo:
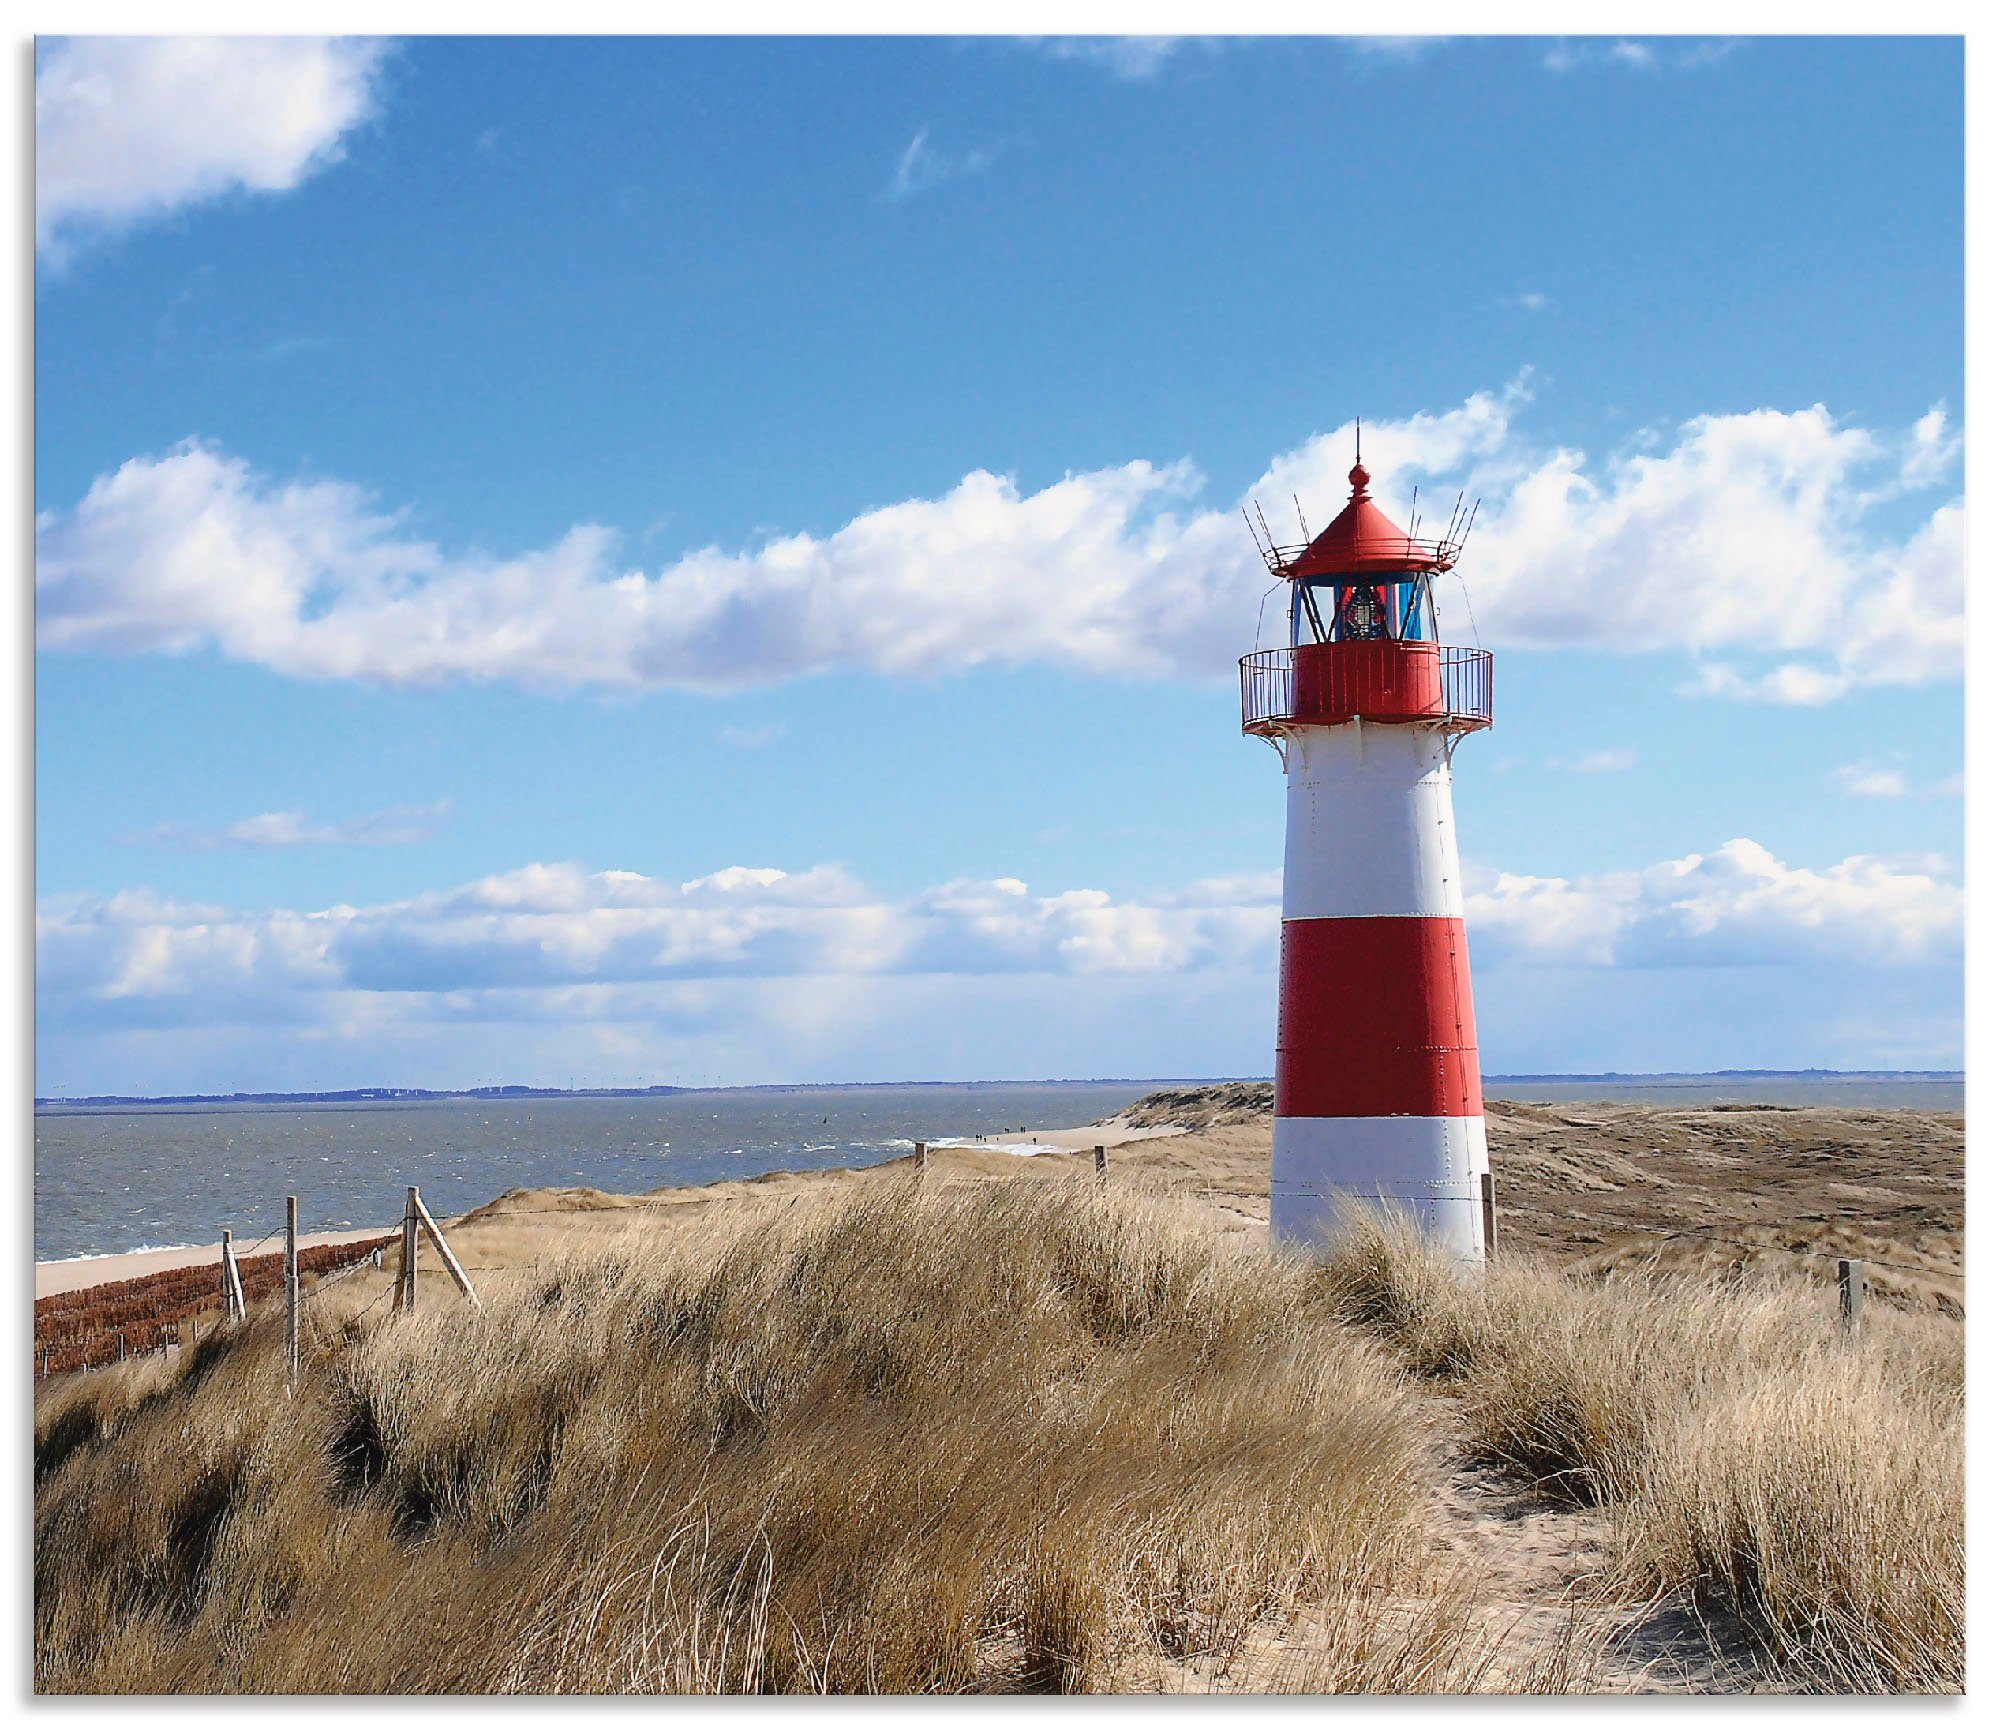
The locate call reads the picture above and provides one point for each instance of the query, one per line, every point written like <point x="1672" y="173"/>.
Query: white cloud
<point x="1735" y="906"/>
<point x="558" y="927"/>
<point x="1614" y="761"/>
<point x="1758" y="540"/>
<point x="1679" y="54"/>
<point x="1403" y="49"/>
<point x="923" y="166"/>
<point x="1795" y="685"/>
<point x="129" y="129"/>
<point x="1688" y="55"/>
<point x="399" y="825"/>
<point x="1751" y="533"/>
<point x="754" y="973"/>
<point x="1875" y="777"/>
<point x="1140" y="59"/>
<point x="1872" y="780"/>
<point x="1133" y="58"/>
<point x="1933" y="446"/>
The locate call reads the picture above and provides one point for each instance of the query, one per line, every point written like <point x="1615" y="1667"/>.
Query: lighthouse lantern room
<point x="1378" y="1099"/>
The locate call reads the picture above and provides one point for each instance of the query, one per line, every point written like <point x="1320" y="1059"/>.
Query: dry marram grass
<point x="1807" y="1482"/>
<point x="1013" y="1434"/>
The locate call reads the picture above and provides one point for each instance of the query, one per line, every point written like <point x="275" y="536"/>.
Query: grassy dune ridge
<point x="983" y="1432"/>
<point x="1017" y="1433"/>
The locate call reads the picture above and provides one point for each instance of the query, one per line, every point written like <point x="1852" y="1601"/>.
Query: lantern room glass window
<point x="1350" y="609"/>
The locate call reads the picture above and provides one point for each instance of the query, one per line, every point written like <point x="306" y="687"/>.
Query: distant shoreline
<point x="57" y="1105"/>
<point x="504" y="1094"/>
<point x="91" y="1268"/>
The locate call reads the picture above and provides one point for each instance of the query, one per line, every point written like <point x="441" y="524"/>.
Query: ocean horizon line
<point x="501" y="1091"/>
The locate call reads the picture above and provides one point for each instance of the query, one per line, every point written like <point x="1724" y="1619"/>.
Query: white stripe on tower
<point x="1378" y="1069"/>
<point x="1368" y="824"/>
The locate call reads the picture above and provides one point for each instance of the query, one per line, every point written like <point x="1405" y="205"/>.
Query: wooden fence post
<point x="1489" y="1213"/>
<point x="443" y="1248"/>
<point x="233" y="1305"/>
<point x="1101" y="1163"/>
<point x="291" y="1290"/>
<point x="923" y="1156"/>
<point x="1853" y="1292"/>
<point x="407" y="1278"/>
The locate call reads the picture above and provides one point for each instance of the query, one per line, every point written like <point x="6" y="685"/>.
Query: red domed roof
<point x="1361" y="538"/>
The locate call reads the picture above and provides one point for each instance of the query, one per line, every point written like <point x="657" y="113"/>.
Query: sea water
<point x="115" y="1179"/>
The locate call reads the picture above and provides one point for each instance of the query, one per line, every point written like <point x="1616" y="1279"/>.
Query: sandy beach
<point x="86" y="1272"/>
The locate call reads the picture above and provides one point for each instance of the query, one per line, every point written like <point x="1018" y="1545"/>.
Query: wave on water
<point x="113" y="1254"/>
<point x="1022" y="1149"/>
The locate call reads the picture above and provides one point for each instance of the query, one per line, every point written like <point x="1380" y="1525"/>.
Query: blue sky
<point x="717" y="561"/>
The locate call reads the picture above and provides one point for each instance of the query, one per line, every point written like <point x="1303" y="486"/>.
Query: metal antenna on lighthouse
<point x="1267" y="546"/>
<point x="1454" y="546"/>
<point x="1263" y="551"/>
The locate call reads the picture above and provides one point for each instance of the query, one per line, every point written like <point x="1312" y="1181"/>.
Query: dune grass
<point x="1804" y="1481"/>
<point x="1003" y="1435"/>
<point x="1012" y="1434"/>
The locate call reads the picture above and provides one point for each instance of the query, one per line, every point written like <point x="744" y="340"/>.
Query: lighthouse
<point x="1378" y="1098"/>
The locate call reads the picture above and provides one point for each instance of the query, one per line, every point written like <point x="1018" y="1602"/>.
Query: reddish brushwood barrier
<point x="81" y="1329"/>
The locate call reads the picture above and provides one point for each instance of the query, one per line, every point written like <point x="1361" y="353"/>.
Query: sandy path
<point x="1541" y="1567"/>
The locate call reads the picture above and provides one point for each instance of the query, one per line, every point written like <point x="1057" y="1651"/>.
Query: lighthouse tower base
<point x="1427" y="1169"/>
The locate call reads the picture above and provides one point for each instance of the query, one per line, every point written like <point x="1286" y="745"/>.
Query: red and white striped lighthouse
<point x="1378" y="1095"/>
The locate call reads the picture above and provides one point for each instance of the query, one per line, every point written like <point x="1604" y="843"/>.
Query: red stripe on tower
<point x="1378" y="1099"/>
<point x="1375" y="1019"/>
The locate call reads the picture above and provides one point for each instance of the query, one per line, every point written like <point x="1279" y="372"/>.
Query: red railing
<point x="1463" y="703"/>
